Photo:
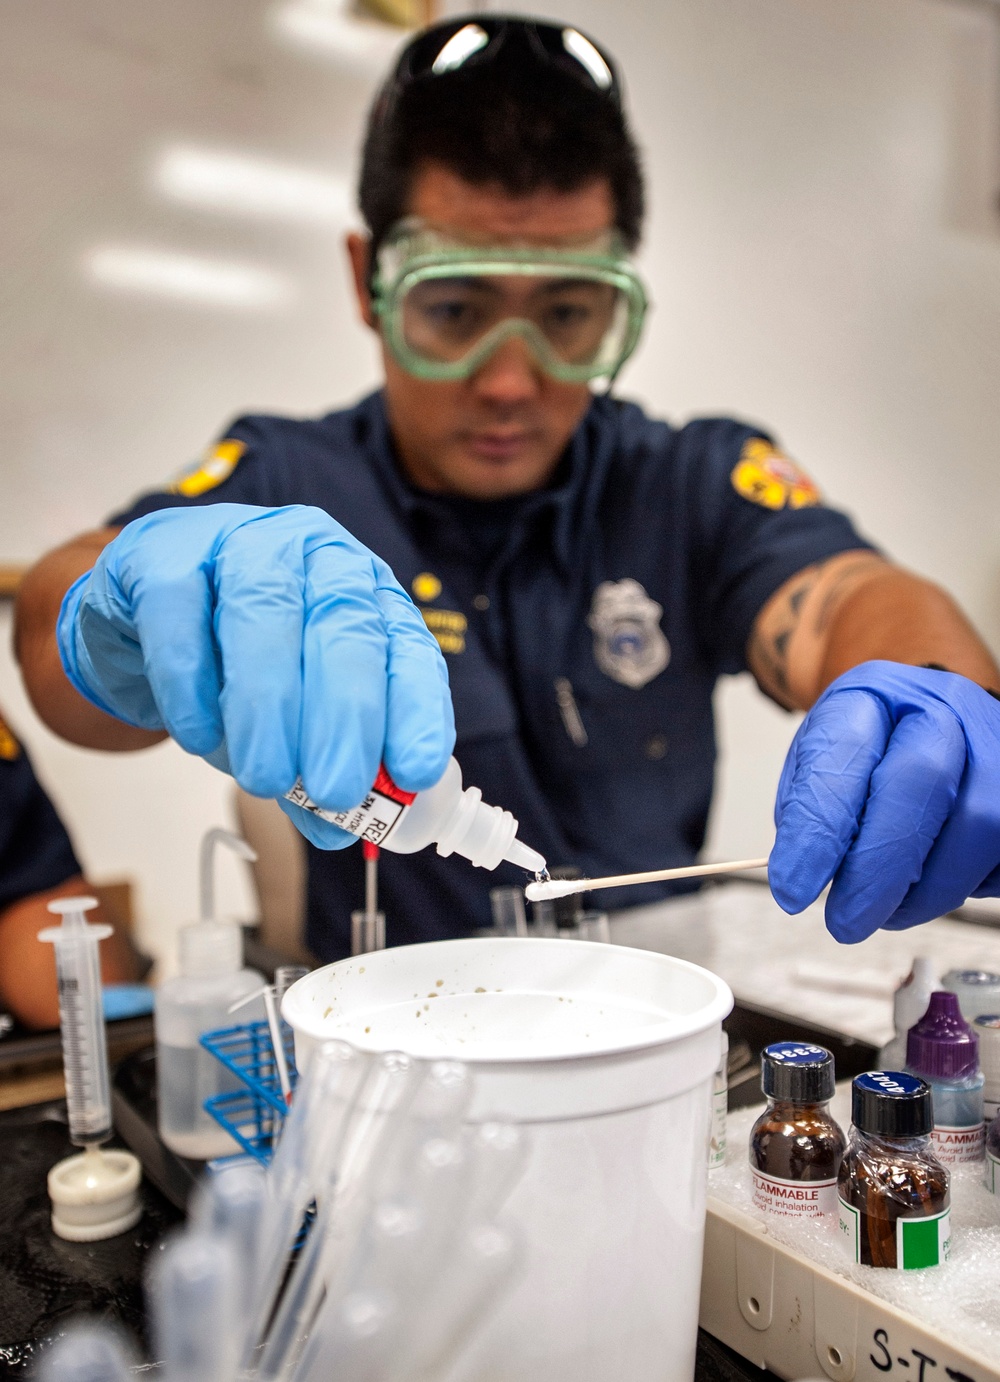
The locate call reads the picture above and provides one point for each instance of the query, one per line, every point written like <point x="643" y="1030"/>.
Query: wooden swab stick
<point x="558" y="887"/>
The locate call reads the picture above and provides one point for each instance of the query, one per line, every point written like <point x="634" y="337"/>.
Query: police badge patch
<point x="629" y="645"/>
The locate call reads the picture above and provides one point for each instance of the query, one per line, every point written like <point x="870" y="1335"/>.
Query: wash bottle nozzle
<point x="206" y="864"/>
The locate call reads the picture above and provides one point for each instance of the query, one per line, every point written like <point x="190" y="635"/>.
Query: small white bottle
<point x="909" y="1004"/>
<point x="457" y="821"/>
<point x="720" y="1109"/>
<point x="196" y="1001"/>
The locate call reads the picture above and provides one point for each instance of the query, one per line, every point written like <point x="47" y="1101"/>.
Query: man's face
<point x="501" y="431"/>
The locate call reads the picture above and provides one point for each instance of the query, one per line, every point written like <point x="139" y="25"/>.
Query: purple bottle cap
<point x="942" y="1045"/>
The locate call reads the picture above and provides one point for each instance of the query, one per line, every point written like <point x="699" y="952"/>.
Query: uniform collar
<point x="572" y="501"/>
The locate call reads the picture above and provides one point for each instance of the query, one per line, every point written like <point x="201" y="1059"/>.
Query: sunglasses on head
<point x="477" y="41"/>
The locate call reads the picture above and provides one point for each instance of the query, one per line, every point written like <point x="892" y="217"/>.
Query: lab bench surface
<point x="44" y="1281"/>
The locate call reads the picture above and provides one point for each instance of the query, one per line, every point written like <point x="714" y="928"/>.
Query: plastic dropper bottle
<point x="196" y="1001"/>
<point x="457" y="821"/>
<point x="987" y="1030"/>
<point x="978" y="991"/>
<point x="909" y="1004"/>
<point x="943" y="1050"/>
<point x="94" y="1195"/>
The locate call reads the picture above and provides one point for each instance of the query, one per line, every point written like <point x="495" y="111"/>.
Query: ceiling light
<point x="187" y="277"/>
<point x="328" y="28"/>
<point x="243" y="184"/>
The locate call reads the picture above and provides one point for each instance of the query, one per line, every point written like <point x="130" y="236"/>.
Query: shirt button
<point x="481" y="602"/>
<point x="656" y="747"/>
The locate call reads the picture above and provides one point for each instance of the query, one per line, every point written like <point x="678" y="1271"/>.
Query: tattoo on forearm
<point x="846" y="577"/>
<point x="769" y="646"/>
<point x="769" y="651"/>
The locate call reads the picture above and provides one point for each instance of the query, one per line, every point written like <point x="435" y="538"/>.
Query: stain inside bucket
<point x="499" y="1022"/>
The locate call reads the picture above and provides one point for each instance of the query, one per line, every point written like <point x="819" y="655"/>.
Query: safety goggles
<point x="446" y="307"/>
<point x="479" y="41"/>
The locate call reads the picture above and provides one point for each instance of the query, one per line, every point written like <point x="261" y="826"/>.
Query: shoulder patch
<point x="217" y="466"/>
<point x="767" y="477"/>
<point x="9" y="747"/>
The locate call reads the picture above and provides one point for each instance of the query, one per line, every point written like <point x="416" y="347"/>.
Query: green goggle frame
<point x="415" y="256"/>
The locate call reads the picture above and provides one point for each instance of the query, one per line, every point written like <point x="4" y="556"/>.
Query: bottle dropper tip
<point x="525" y="857"/>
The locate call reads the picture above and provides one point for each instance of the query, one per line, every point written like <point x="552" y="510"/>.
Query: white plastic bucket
<point x="608" y="1052"/>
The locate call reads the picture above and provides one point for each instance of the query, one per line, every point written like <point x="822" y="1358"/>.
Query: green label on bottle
<point x="850" y="1229"/>
<point x="992" y="1175"/>
<point x="923" y="1242"/>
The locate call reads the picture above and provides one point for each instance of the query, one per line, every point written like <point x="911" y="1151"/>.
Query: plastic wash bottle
<point x="196" y="1001"/>
<point x="457" y="821"/>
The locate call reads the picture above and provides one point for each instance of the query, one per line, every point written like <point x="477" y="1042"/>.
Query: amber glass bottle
<point x="894" y="1193"/>
<point x="795" y="1145"/>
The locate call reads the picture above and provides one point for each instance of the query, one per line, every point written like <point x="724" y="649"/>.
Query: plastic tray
<point x="783" y="1312"/>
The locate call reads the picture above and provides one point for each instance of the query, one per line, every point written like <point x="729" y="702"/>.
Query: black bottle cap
<point x="891" y="1103"/>
<point x="796" y="1071"/>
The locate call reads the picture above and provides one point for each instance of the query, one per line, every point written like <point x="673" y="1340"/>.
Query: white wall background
<point x="823" y="251"/>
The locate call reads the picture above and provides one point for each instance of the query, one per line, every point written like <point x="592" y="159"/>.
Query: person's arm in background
<point x="854" y="608"/>
<point x="37" y="864"/>
<point x="59" y="704"/>
<point x="28" y="967"/>
<point x="891" y="788"/>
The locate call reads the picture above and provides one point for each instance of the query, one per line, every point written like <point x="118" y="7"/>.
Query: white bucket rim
<point x="671" y="1030"/>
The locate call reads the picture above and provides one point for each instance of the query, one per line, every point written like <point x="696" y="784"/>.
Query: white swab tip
<point x="556" y="887"/>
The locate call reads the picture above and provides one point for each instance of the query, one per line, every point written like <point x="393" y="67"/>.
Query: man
<point x="587" y="573"/>
<point x="37" y="864"/>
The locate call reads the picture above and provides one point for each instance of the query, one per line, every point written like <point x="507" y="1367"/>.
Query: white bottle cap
<point x="94" y="1195"/>
<point x="484" y="834"/>
<point x="211" y="947"/>
<point x="987" y="1029"/>
<point x="911" y="999"/>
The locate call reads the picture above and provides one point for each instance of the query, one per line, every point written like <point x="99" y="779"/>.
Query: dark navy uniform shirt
<point x="35" y="852"/>
<point x="584" y="627"/>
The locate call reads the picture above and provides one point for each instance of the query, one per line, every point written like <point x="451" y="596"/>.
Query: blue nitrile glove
<point x="892" y="789"/>
<point x="269" y="640"/>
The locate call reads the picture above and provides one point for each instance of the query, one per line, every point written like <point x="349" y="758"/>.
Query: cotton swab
<point x="558" y="887"/>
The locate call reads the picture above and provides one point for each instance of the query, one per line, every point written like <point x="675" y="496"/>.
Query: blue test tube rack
<point x="253" y="1113"/>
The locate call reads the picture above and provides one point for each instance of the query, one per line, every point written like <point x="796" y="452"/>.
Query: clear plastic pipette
<point x="81" y="1019"/>
<point x="85" y="1353"/>
<point x="192" y="1290"/>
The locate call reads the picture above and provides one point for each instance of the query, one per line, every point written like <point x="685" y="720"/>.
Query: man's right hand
<point x="271" y="633"/>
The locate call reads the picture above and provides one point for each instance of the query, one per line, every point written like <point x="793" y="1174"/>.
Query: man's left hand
<point x="891" y="789"/>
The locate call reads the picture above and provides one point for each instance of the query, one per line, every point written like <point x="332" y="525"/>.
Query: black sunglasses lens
<point x="448" y="47"/>
<point x="445" y="47"/>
